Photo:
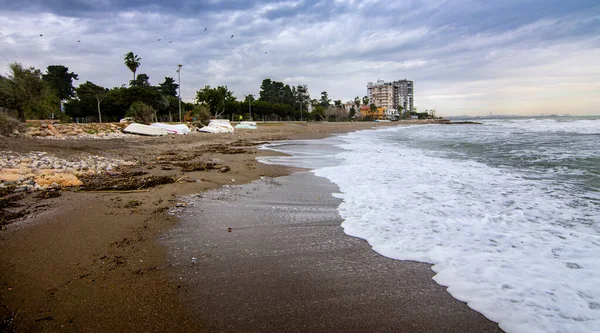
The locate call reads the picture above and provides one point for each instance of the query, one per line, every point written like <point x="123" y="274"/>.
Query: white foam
<point x="552" y="125"/>
<point x="523" y="252"/>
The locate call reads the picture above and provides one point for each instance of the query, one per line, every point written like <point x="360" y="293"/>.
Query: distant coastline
<point x="553" y="116"/>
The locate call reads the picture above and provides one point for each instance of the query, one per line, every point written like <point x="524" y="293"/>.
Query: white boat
<point x="217" y="126"/>
<point x="246" y="125"/>
<point x="142" y="129"/>
<point x="173" y="129"/>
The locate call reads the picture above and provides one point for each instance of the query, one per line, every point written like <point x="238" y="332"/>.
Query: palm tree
<point x="132" y="61"/>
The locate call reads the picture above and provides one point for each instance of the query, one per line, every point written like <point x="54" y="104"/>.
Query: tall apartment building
<point x="404" y="95"/>
<point x="381" y="94"/>
<point x="391" y="94"/>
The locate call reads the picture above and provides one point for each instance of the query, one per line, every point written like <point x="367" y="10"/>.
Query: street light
<point x="179" y="76"/>
<point x="250" y="105"/>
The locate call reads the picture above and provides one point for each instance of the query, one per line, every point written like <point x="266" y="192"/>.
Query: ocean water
<point x="507" y="212"/>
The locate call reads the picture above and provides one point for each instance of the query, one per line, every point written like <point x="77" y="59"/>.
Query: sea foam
<point x="522" y="251"/>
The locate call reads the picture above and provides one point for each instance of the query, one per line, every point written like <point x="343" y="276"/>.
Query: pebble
<point x="40" y="161"/>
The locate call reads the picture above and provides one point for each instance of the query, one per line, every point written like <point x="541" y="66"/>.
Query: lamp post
<point x="250" y="105"/>
<point x="179" y="86"/>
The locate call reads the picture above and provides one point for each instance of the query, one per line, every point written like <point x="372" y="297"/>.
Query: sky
<point x="466" y="57"/>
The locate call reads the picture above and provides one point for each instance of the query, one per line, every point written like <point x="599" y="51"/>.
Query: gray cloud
<point x="464" y="56"/>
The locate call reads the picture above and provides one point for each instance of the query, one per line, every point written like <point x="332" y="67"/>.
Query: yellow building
<point x="365" y="111"/>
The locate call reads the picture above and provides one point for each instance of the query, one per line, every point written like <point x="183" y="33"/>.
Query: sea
<point x="507" y="212"/>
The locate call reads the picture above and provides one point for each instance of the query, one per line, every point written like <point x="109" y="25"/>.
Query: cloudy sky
<point x="465" y="57"/>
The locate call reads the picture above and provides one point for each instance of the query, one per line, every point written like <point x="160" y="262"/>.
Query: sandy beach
<point x="98" y="260"/>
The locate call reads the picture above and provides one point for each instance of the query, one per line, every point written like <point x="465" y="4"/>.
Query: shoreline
<point x="271" y="256"/>
<point x="92" y="261"/>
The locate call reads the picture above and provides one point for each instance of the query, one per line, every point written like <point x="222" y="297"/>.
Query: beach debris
<point x="124" y="181"/>
<point x="54" y="131"/>
<point x="198" y="166"/>
<point x="225" y="169"/>
<point x="232" y="180"/>
<point x="229" y="229"/>
<point x="132" y="204"/>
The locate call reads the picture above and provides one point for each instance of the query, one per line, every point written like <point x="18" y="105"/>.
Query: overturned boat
<point x="142" y="129"/>
<point x="217" y="126"/>
<point x="246" y="125"/>
<point x="173" y="129"/>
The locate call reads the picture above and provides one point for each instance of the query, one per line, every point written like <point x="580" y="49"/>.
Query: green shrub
<point x="202" y="114"/>
<point x="8" y="124"/>
<point x="141" y="113"/>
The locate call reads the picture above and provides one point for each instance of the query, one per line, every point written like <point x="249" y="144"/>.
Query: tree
<point x="59" y="79"/>
<point x="288" y="97"/>
<point x="372" y="109"/>
<point x="132" y="61"/>
<point x="352" y="112"/>
<point x="22" y="89"/>
<point x="215" y="98"/>
<point x="140" y="81"/>
<point x="302" y="96"/>
<point x="325" y="100"/>
<point x="357" y="102"/>
<point x="266" y="91"/>
<point x="141" y="112"/>
<point x="365" y="100"/>
<point x="169" y="87"/>
<point x="88" y="90"/>
<point x="337" y="103"/>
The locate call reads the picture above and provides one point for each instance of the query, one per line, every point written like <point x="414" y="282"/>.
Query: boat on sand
<point x="246" y="125"/>
<point x="173" y="129"/>
<point x="217" y="126"/>
<point x="142" y="129"/>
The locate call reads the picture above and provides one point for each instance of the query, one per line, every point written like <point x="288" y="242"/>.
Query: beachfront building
<point x="381" y="94"/>
<point x="390" y="95"/>
<point x="404" y="95"/>
<point x="379" y="114"/>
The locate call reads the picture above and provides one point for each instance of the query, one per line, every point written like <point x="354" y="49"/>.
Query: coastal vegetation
<point x="29" y="93"/>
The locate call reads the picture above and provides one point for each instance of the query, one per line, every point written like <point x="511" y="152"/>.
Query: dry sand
<point x="90" y="261"/>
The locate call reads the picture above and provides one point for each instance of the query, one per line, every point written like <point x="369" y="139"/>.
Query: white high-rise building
<point x="381" y="94"/>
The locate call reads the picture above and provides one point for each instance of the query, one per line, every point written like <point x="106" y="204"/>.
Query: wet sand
<point x="91" y="262"/>
<point x="270" y="256"/>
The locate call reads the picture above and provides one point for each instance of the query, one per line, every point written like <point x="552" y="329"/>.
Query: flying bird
<point x="41" y="35"/>
<point x="78" y="41"/>
<point x="231" y="36"/>
<point x="205" y="29"/>
<point x="159" y="39"/>
<point x="170" y="41"/>
<point x="266" y="52"/>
